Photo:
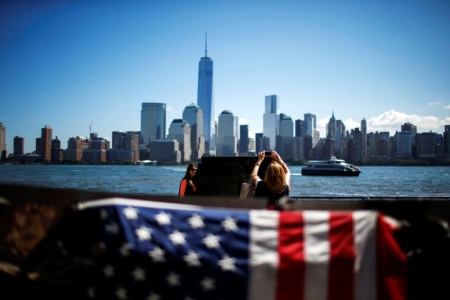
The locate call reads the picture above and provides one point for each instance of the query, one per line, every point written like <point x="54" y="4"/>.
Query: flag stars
<point x="154" y="296"/>
<point x="196" y="221"/>
<point x="192" y="259"/>
<point x="177" y="238"/>
<point x="207" y="284"/>
<point x="229" y="224"/>
<point x="108" y="271"/>
<point x="143" y="233"/>
<point x="211" y="241"/>
<point x="173" y="279"/>
<point x="103" y="214"/>
<point x="157" y="254"/>
<point x="130" y="213"/>
<point x="121" y="293"/>
<point x="227" y="263"/>
<point x="112" y="228"/>
<point x="138" y="274"/>
<point x="125" y="250"/>
<point x="162" y="218"/>
<point x="91" y="292"/>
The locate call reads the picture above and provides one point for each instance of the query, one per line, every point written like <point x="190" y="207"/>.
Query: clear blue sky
<point x="69" y="63"/>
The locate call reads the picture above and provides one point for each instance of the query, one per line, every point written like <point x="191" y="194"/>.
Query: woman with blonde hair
<point x="276" y="183"/>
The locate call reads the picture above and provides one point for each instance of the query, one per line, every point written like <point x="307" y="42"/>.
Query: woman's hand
<point x="276" y="157"/>
<point x="261" y="156"/>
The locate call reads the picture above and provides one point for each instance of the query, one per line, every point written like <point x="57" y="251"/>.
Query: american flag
<point x="156" y="251"/>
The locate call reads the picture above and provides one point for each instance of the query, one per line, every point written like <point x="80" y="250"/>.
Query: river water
<point x="164" y="180"/>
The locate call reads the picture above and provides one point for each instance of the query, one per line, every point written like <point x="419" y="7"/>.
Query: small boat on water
<point x="332" y="167"/>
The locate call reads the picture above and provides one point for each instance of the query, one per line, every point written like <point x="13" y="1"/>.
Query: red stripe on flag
<point x="391" y="264"/>
<point x="291" y="268"/>
<point x="342" y="256"/>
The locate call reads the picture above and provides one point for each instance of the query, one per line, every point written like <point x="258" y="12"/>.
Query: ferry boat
<point x="332" y="167"/>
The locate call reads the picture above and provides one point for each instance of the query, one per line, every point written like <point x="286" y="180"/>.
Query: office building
<point x="205" y="99"/>
<point x="331" y="128"/>
<point x="125" y="147"/>
<point x="19" y="146"/>
<point x="298" y="148"/>
<point x="227" y="139"/>
<point x="165" y="151"/>
<point x="403" y="144"/>
<point x="259" y="142"/>
<point x="45" y="143"/>
<point x="425" y="145"/>
<point x="270" y="120"/>
<point x="3" y="150"/>
<point x="56" y="152"/>
<point x="364" y="138"/>
<point x="75" y="147"/>
<point x="300" y="128"/>
<point x="446" y="141"/>
<point x="243" y="139"/>
<point x="153" y="123"/>
<point x="180" y="130"/>
<point x="286" y="140"/>
<point x="310" y="120"/>
<point x="193" y="114"/>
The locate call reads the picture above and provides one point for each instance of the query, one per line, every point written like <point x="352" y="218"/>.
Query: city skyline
<point x="71" y="65"/>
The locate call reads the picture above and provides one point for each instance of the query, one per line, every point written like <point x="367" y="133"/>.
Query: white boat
<point x="332" y="167"/>
<point x="147" y="162"/>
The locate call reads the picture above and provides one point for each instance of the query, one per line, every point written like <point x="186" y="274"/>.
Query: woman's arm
<point x="183" y="185"/>
<point x="254" y="173"/>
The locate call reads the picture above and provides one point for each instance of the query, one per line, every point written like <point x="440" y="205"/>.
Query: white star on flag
<point x="130" y="213"/>
<point x="154" y="296"/>
<point x="192" y="259"/>
<point x="143" y="233"/>
<point x="207" y="284"/>
<point x="103" y="214"/>
<point x="113" y="228"/>
<point x="125" y="250"/>
<point x="211" y="241"/>
<point x="227" y="263"/>
<point x="177" y="238"/>
<point x="121" y="293"/>
<point x="196" y="221"/>
<point x="162" y="218"/>
<point x="138" y="274"/>
<point x="157" y="254"/>
<point x="229" y="224"/>
<point x="173" y="279"/>
<point x="108" y="271"/>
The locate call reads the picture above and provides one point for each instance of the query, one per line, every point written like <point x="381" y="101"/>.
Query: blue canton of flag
<point x="159" y="251"/>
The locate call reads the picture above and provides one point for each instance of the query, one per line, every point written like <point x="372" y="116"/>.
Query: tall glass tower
<point x="271" y="120"/>
<point x="205" y="99"/>
<point x="153" y="123"/>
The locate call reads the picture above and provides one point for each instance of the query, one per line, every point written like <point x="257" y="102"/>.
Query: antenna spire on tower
<point x="206" y="44"/>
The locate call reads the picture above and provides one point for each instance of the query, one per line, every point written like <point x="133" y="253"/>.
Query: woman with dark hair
<point x="276" y="183"/>
<point x="187" y="186"/>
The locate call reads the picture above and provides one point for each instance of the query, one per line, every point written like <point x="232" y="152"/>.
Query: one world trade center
<point x="205" y="99"/>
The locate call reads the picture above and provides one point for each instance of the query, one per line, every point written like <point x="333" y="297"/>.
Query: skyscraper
<point x="19" y="145"/>
<point x="227" y="139"/>
<point x="270" y="120"/>
<point x="205" y="99"/>
<point x="2" y="141"/>
<point x="243" y="140"/>
<point x="364" y="138"/>
<point x="193" y="114"/>
<point x="310" y="121"/>
<point x="179" y="130"/>
<point x="153" y="123"/>
<point x="45" y="147"/>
